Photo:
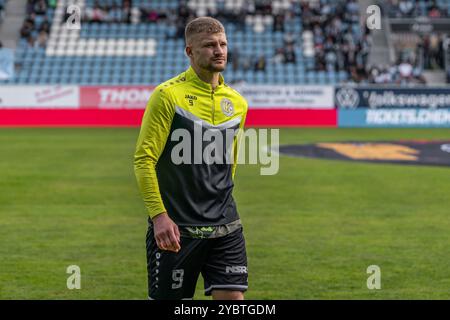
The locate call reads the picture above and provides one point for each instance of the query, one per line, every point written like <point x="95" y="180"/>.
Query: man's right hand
<point x="166" y="232"/>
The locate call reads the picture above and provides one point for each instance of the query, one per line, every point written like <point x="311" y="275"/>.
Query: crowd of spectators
<point x="316" y="16"/>
<point x="35" y="33"/>
<point x="340" y="42"/>
<point x="125" y="12"/>
<point x="101" y="13"/>
<point x="246" y="62"/>
<point x="413" y="9"/>
<point x="401" y="73"/>
<point x="432" y="46"/>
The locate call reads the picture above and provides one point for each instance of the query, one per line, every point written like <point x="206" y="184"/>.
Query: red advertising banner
<point x="70" y="118"/>
<point x="291" y="118"/>
<point x="115" y="97"/>
<point x="133" y="118"/>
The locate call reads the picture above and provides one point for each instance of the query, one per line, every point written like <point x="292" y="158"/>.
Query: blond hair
<point x="200" y="25"/>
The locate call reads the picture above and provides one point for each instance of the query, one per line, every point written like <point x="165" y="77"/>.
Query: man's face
<point x="209" y="51"/>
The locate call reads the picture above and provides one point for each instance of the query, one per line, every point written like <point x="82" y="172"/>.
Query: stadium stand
<point x="271" y="42"/>
<point x="418" y="8"/>
<point x="424" y="49"/>
<point x="141" y="42"/>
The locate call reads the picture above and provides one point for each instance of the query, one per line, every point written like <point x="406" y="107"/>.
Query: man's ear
<point x="189" y="51"/>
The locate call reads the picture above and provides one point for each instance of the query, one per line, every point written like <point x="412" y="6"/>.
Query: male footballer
<point x="194" y="226"/>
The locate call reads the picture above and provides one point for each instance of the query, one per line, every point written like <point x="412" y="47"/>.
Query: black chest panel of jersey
<point x="197" y="193"/>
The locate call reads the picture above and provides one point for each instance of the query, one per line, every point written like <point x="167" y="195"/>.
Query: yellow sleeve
<point x="155" y="129"/>
<point x="238" y="140"/>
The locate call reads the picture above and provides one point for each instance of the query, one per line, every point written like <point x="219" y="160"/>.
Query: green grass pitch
<point x="68" y="196"/>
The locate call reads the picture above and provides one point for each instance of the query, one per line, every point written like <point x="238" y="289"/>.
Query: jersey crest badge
<point x="227" y="107"/>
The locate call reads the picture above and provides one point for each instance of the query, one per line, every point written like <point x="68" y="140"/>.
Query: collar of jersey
<point x="191" y="75"/>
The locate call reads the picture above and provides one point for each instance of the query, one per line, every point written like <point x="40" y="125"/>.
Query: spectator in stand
<point x="373" y="73"/>
<point x="27" y="27"/>
<point x="417" y="74"/>
<point x="45" y="26"/>
<point x="330" y="60"/>
<point x="329" y="43"/>
<point x="149" y="15"/>
<point x="98" y="14"/>
<point x="278" y="23"/>
<point x="405" y="70"/>
<point x="263" y="7"/>
<point x="406" y="8"/>
<point x="335" y="28"/>
<point x="108" y="15"/>
<point x="320" y="61"/>
<point x="340" y="60"/>
<point x="180" y="25"/>
<point x="40" y="7"/>
<point x="326" y="9"/>
<point x="52" y="3"/>
<point x="434" y="11"/>
<point x="352" y="11"/>
<point x="115" y="14"/>
<point x="246" y="63"/>
<point x="289" y="55"/>
<point x="434" y="50"/>
<point x="278" y="57"/>
<point x="260" y="64"/>
<point x="319" y="38"/>
<point x="30" y="41"/>
<point x="289" y="39"/>
<point x="233" y="58"/>
<point x="384" y="76"/>
<point x="364" y="49"/>
<point x="42" y="39"/>
<point x="126" y="9"/>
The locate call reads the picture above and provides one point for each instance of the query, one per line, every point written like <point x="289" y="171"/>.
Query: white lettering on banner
<point x="40" y="97"/>
<point x="123" y="98"/>
<point x="408" y="117"/>
<point x="293" y="97"/>
<point x="53" y="94"/>
<point x="391" y="99"/>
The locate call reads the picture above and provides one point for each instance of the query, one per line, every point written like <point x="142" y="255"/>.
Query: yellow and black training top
<point x="183" y="120"/>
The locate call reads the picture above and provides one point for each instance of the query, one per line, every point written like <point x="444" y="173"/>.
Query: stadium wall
<point x="269" y="106"/>
<point x="393" y="107"/>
